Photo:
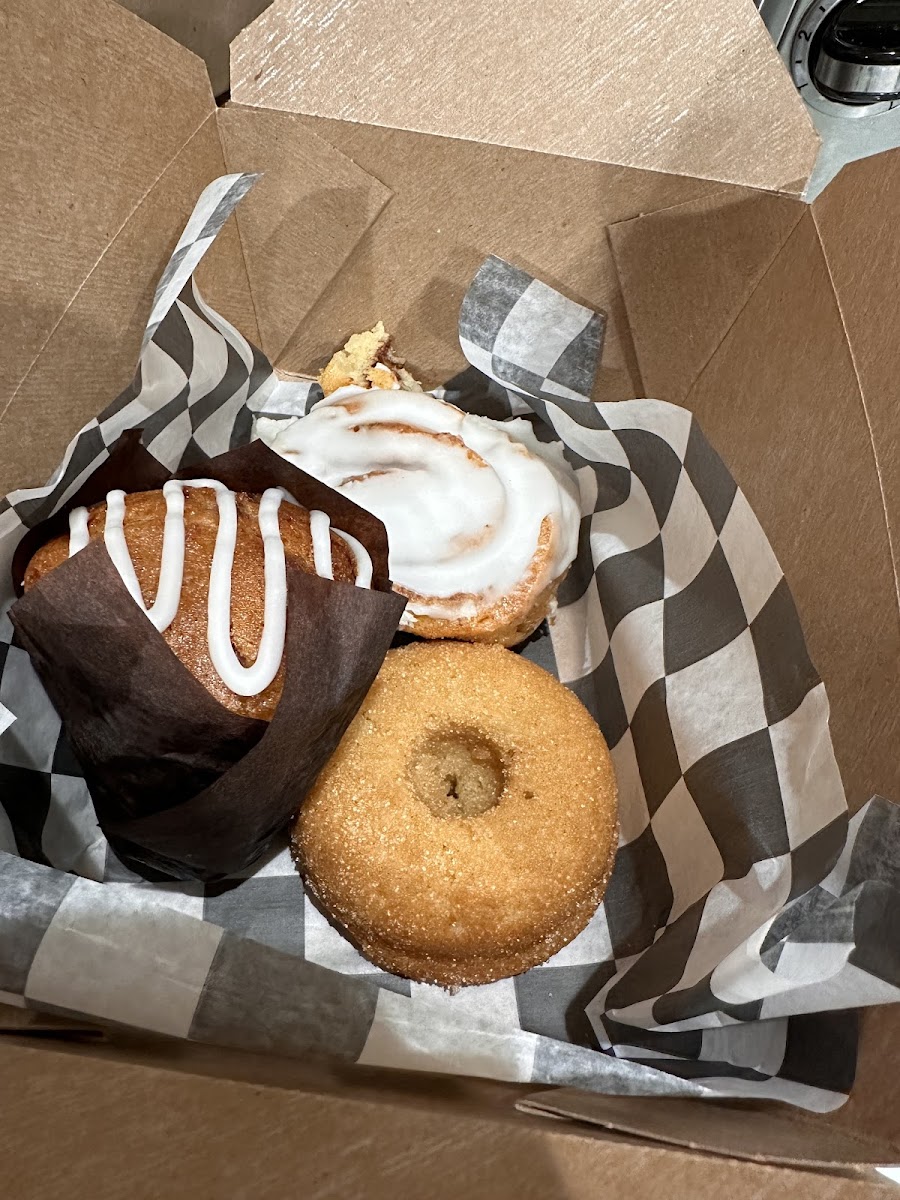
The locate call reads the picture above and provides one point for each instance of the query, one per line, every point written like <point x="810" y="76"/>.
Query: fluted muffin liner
<point x="748" y="915"/>
<point x="182" y="787"/>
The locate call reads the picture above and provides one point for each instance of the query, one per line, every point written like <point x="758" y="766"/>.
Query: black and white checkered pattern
<point x="744" y="915"/>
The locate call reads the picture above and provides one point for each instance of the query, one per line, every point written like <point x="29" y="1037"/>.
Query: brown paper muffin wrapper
<point x="183" y="788"/>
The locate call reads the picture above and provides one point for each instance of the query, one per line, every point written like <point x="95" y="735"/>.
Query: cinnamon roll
<point x="482" y="518"/>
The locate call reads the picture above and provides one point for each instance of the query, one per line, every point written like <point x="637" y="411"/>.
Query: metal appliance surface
<point x="844" y="57"/>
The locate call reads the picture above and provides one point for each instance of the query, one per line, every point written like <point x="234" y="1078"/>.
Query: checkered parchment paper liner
<point x="746" y="916"/>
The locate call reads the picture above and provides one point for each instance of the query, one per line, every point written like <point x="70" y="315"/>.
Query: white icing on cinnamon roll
<point x="245" y="681"/>
<point x="481" y="517"/>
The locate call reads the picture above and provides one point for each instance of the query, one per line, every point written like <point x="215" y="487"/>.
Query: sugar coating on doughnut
<point x="465" y="829"/>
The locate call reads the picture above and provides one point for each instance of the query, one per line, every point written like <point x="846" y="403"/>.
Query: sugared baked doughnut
<point x="482" y="518"/>
<point x="238" y="658"/>
<point x="465" y="828"/>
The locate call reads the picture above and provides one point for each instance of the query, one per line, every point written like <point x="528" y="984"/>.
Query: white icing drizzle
<point x="245" y="681"/>
<point x="361" y="557"/>
<point x="78" y="530"/>
<point x="463" y="498"/>
<point x="320" y="531"/>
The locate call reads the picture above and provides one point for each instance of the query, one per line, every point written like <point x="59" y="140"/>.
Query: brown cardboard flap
<point x="781" y="402"/>
<point x="93" y="1116"/>
<point x="782" y="391"/>
<point x="301" y="221"/>
<point x="873" y="1109"/>
<point x="455" y="202"/>
<point x="96" y="106"/>
<point x="858" y="230"/>
<point x="690" y="88"/>
<point x="746" y="1131"/>
<point x="718" y="247"/>
<point x="93" y="349"/>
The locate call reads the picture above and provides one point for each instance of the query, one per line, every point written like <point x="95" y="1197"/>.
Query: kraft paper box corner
<point x="598" y="148"/>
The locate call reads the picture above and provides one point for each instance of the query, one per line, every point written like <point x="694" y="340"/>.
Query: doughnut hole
<point x="457" y="772"/>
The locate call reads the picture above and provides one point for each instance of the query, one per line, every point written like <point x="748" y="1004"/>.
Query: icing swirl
<point x="465" y="500"/>
<point x="244" y="681"/>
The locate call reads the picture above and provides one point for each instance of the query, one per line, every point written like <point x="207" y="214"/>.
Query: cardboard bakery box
<point x="648" y="162"/>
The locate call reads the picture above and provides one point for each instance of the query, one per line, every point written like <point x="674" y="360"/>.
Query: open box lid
<point x="118" y="133"/>
<point x="685" y="88"/>
<point x="648" y="105"/>
<point x="522" y="131"/>
<point x="517" y="130"/>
